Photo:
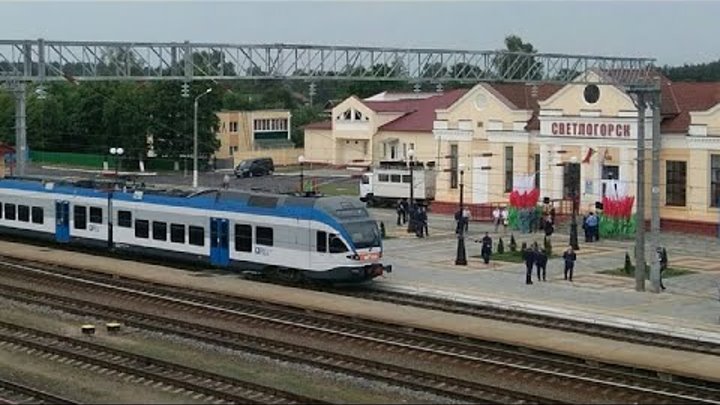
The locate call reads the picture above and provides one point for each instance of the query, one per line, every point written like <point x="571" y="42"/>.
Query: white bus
<point x="390" y="182"/>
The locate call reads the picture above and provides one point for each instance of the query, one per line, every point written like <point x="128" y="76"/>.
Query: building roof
<point x="319" y="125"/>
<point x="6" y="149"/>
<point x="689" y="97"/>
<point x="419" y="114"/>
<point x="526" y="97"/>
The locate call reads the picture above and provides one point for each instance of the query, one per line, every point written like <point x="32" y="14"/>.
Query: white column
<point x="544" y="170"/>
<point x="557" y="172"/>
<point x="597" y="177"/>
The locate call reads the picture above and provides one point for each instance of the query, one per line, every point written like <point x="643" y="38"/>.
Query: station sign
<point x="605" y="129"/>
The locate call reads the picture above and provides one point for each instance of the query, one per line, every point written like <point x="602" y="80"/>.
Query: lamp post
<point x="116" y="152"/>
<point x="195" y="138"/>
<point x="461" y="257"/>
<point x="301" y="160"/>
<point x="574" y="193"/>
<point x="411" y="206"/>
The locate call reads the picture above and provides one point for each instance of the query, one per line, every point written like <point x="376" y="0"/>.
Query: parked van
<point x="387" y="184"/>
<point x="255" y="167"/>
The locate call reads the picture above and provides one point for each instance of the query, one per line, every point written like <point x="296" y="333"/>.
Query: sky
<point x="672" y="32"/>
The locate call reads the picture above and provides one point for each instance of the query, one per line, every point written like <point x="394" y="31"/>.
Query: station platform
<point x="662" y="360"/>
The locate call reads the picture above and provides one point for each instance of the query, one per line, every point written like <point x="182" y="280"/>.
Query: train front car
<point x="363" y="260"/>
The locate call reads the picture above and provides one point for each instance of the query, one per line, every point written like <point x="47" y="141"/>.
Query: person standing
<point x="541" y="264"/>
<point x="466" y="217"/>
<point x="496" y="218"/>
<point x="422" y="223"/>
<point x="548" y="227"/>
<point x="569" y="258"/>
<point x="662" y="258"/>
<point x="529" y="258"/>
<point x="504" y="216"/>
<point x="226" y="182"/>
<point x="593" y="225"/>
<point x="405" y="209"/>
<point x="400" y="210"/>
<point x="486" y="249"/>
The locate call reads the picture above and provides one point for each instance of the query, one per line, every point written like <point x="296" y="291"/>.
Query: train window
<point x="321" y="241"/>
<point x="264" y="236"/>
<point x="337" y="245"/>
<point x="383" y="177"/>
<point x="96" y="215"/>
<point x="197" y="235"/>
<point x="243" y="238"/>
<point x="406" y="178"/>
<point x="125" y="219"/>
<point x="10" y="211"/>
<point x="142" y="228"/>
<point x="159" y="230"/>
<point x="80" y="216"/>
<point x="177" y="233"/>
<point x="23" y="213"/>
<point x="395" y="178"/>
<point x="38" y="216"/>
<point x="1" y="210"/>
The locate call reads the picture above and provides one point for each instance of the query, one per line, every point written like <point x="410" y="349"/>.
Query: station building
<point x="242" y="131"/>
<point x="564" y="136"/>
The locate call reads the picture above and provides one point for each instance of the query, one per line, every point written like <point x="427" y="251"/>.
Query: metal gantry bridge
<point x="39" y="61"/>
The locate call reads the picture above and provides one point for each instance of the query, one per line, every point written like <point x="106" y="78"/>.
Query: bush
<point x="548" y="246"/>
<point x="523" y="247"/>
<point x="501" y="247"/>
<point x="382" y="230"/>
<point x="513" y="244"/>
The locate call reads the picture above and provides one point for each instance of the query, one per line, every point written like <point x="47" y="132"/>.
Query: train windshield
<point x="364" y="234"/>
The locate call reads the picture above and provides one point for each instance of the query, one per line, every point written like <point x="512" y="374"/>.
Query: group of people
<point x="536" y="257"/>
<point x="591" y="226"/>
<point x="416" y="214"/>
<point x="500" y="217"/>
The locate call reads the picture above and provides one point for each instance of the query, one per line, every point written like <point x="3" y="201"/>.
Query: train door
<point x="219" y="241"/>
<point x="62" y="221"/>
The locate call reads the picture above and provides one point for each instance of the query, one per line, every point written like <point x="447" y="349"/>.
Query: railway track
<point x="626" y="385"/>
<point x="533" y="319"/>
<point x="199" y="384"/>
<point x="14" y="393"/>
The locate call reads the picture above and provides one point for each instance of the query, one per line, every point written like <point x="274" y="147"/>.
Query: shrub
<point x="501" y="247"/>
<point x="628" y="267"/>
<point x="547" y="246"/>
<point x="523" y="247"/>
<point x="382" y="230"/>
<point x="513" y="244"/>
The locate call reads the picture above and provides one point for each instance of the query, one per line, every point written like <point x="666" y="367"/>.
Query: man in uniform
<point x="541" y="263"/>
<point x="569" y="257"/>
<point x="529" y="258"/>
<point x="486" y="249"/>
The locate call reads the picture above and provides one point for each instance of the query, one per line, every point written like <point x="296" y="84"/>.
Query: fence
<point x="280" y="157"/>
<point x="96" y="161"/>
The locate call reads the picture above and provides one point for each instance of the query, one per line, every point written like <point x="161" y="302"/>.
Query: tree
<point x="701" y="72"/>
<point x="434" y="70"/>
<point x="126" y="121"/>
<point x="7" y="117"/>
<point x="500" y="247"/>
<point x="513" y="244"/>
<point x="520" y="64"/>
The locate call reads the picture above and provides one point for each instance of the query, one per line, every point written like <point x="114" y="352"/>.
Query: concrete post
<point x="640" y="197"/>
<point x="655" y="196"/>
<point x="20" y="129"/>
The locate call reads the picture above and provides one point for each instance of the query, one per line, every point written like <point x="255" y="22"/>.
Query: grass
<point x="670" y="272"/>
<point x="511" y="257"/>
<point x="339" y="188"/>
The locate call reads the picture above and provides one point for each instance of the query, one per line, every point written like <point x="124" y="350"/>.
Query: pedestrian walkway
<point x="691" y="302"/>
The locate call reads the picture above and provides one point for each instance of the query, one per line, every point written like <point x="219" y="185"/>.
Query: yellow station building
<point x="501" y="132"/>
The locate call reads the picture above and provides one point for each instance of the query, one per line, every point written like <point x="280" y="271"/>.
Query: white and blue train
<point x="313" y="238"/>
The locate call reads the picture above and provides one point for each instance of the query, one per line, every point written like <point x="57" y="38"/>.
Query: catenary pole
<point x="655" y="196"/>
<point x="640" y="202"/>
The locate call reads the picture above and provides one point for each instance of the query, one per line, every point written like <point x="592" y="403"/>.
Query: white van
<point x="387" y="185"/>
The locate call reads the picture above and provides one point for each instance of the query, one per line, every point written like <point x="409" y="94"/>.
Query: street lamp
<point x="116" y="152"/>
<point x="411" y="206"/>
<point x="461" y="257"/>
<point x="301" y="160"/>
<point x="195" y="138"/>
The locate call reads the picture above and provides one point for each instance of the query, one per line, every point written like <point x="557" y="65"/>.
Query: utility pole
<point x="20" y="129"/>
<point x="640" y="211"/>
<point x="655" y="195"/>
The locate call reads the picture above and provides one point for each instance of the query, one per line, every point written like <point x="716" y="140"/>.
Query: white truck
<point x="387" y="184"/>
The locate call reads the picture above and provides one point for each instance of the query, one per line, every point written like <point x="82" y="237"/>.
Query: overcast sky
<point x="673" y="32"/>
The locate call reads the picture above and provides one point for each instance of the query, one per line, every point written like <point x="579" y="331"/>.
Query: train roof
<point x="342" y="208"/>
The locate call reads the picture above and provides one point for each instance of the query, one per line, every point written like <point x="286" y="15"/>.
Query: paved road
<point x="277" y="183"/>
<point x="428" y="264"/>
